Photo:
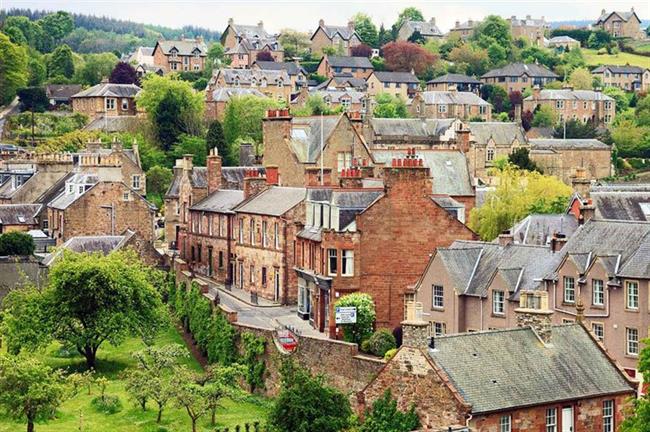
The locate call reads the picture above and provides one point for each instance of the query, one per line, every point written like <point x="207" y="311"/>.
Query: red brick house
<point x="537" y="377"/>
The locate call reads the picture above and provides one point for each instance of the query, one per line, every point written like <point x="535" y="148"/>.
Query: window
<point x="608" y="118"/>
<point x="251" y="232"/>
<point x="438" y="297"/>
<point x="489" y="155"/>
<point x="551" y="420"/>
<point x="276" y="236"/>
<point x="263" y="276"/>
<point x="241" y="231"/>
<point x="632" y="296"/>
<point x="265" y="238"/>
<point x="442" y="108"/>
<point x="126" y="196"/>
<point x="196" y="67"/>
<point x="608" y="416"/>
<point x="569" y="289"/>
<point x="110" y="104"/>
<point x="252" y="276"/>
<point x="439" y="329"/>
<point x="482" y="109"/>
<point x="125" y="104"/>
<point x="632" y="339"/>
<point x="345" y="103"/>
<point x="575" y="104"/>
<point x="174" y="66"/>
<point x="599" y="331"/>
<point x="344" y="160"/>
<point x="135" y="181"/>
<point x="598" y="292"/>
<point x="332" y="262"/>
<point x="504" y="424"/>
<point x="498" y="306"/>
<point x="220" y="259"/>
<point x="559" y="104"/>
<point x="347" y="263"/>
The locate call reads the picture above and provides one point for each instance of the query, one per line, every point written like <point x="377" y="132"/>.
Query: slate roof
<point x="426" y="28"/>
<point x="19" y="214"/>
<point x="521" y="22"/>
<point x="250" y="31"/>
<point x="89" y="244"/>
<point x="454" y="78"/>
<point x="537" y="229"/>
<point x="220" y="201"/>
<point x="291" y="67"/>
<point x="65" y="199"/>
<point x="575" y="144"/>
<point x="247" y="76"/>
<point x="339" y="81"/>
<point x="348" y="203"/>
<point x="493" y="370"/>
<point x="184" y="47"/>
<point x="224" y="94"/>
<point x="306" y="134"/>
<point x="452" y="98"/>
<point x="110" y="90"/>
<point x="344" y="31"/>
<point x="448" y="169"/>
<point x="466" y="25"/>
<point x="519" y="69"/>
<point x="396" y="77"/>
<point x="625" y="16"/>
<point x="246" y="45"/>
<point x="622" y="204"/>
<point x="335" y="96"/>
<point x="410" y="127"/>
<point x="561" y="39"/>
<point x="567" y="94"/>
<point x="62" y="92"/>
<point x="500" y="133"/>
<point x="120" y="123"/>
<point x="349" y="62"/>
<point x="627" y="69"/>
<point x="274" y="201"/>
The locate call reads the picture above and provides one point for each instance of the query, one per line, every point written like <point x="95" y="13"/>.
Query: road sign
<point x="346" y="315"/>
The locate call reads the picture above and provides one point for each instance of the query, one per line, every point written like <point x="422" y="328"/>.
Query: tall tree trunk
<point x="30" y="425"/>
<point x="90" y="354"/>
<point x="193" y="425"/>
<point x="143" y="404"/>
<point x="214" y="416"/>
<point x="159" y="414"/>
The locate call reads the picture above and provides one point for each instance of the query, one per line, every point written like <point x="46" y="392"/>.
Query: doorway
<point x="567" y="419"/>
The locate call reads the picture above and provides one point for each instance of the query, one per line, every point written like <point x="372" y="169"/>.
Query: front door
<point x="276" y="285"/>
<point x="209" y="261"/>
<point x="567" y="419"/>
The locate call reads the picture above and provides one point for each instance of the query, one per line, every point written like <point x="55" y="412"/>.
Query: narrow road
<point x="8" y="110"/>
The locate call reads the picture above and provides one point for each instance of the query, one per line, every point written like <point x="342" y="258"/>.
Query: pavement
<point x="266" y="314"/>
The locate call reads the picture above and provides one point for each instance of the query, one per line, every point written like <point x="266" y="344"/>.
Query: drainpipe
<point x="229" y="276"/>
<point x="285" y="291"/>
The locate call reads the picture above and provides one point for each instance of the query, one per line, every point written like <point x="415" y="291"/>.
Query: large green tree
<point x="217" y="139"/>
<point x="16" y="243"/>
<point x="366" y="29"/>
<point x="13" y="69"/>
<point x="55" y="27"/>
<point x="407" y="14"/>
<point x="95" y="68"/>
<point x="384" y="416"/>
<point x="30" y="390"/>
<point x="60" y="63"/>
<point x="388" y="106"/>
<point x="639" y="419"/>
<point x="243" y="120"/>
<point x="493" y="29"/>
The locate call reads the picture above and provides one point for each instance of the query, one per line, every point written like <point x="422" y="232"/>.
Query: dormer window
<point x="236" y="82"/>
<point x="253" y="82"/>
<point x="263" y="82"/>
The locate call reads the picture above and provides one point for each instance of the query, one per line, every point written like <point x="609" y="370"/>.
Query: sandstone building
<point x="339" y="38"/>
<point x="186" y="55"/>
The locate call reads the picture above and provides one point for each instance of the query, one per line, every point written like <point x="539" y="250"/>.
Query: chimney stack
<point x="457" y="24"/>
<point x="351" y="25"/>
<point x="254" y="182"/>
<point x="214" y="170"/>
<point x="272" y="175"/>
<point x="518" y="113"/>
<point x="462" y="139"/>
<point x="321" y="22"/>
<point x="231" y="21"/>
<point x="537" y="91"/>
<point x="533" y="312"/>
<point x="433" y="20"/>
<point x="557" y="242"/>
<point x="506" y="238"/>
<point x="260" y="25"/>
<point x="415" y="331"/>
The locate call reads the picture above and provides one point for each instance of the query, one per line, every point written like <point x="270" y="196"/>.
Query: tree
<point x="388" y="106"/>
<point x="190" y="395"/>
<point x="544" y="116"/>
<point x="91" y="299"/>
<point x="406" y="56"/>
<point x="493" y="29"/>
<point x="520" y="157"/>
<point x="497" y="96"/>
<point x="362" y="329"/>
<point x="628" y="137"/>
<point x="416" y="37"/>
<point x="189" y="144"/>
<point x="527" y="120"/>
<point x="518" y="194"/>
<point x="216" y="139"/>
<point x="599" y="39"/>
<point x="57" y="25"/>
<point x="60" y="62"/>
<point x="13" y="69"/>
<point x="95" y="68"/>
<point x="407" y="14"/>
<point x="497" y="54"/>
<point x="221" y="382"/>
<point x="642" y="111"/>
<point x="167" y="120"/>
<point x="29" y="390"/>
<point x="365" y="28"/>
<point x="307" y="404"/>
<point x="384" y="416"/>
<point x="580" y="79"/>
<point x="383" y="36"/>
<point x="295" y="43"/>
<point x="639" y="419"/>
<point x="37" y="71"/>
<point x="243" y="120"/>
<point x="361" y="50"/>
<point x="468" y="58"/>
<point x="123" y="73"/>
<point x="619" y="96"/>
<point x="16" y="243"/>
<point x="264" y="56"/>
<point x="572" y="129"/>
<point x="33" y="99"/>
<point x="158" y="180"/>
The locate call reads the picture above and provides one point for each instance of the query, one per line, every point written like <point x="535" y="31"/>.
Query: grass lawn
<point x="615" y="59"/>
<point x="77" y="414"/>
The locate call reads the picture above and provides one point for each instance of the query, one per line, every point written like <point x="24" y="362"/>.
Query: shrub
<point x="107" y="404"/>
<point x="16" y="243"/>
<point x="379" y="343"/>
<point x="390" y="354"/>
<point x="362" y="329"/>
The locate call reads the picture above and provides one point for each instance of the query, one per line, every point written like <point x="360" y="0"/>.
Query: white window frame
<point x="598" y="329"/>
<point x="265" y="238"/>
<point x="489" y="154"/>
<point x="569" y="289"/>
<point x="631" y="341"/>
<point x="251" y="234"/>
<point x="632" y="295"/>
<point x="109" y="104"/>
<point x="498" y="302"/>
<point x="241" y="231"/>
<point x="125" y="104"/>
<point x="347" y="262"/>
<point x="439" y="329"/>
<point x="608" y="415"/>
<point x="551" y="419"/>
<point x="135" y="181"/>
<point x="332" y="254"/>
<point x="598" y="292"/>
<point x="276" y="235"/>
<point x="437" y="296"/>
<point x="505" y="423"/>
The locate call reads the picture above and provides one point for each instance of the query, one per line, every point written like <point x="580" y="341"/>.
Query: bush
<point x="379" y="343"/>
<point x="16" y="243"/>
<point x="107" y="404"/>
<point x="362" y="329"/>
<point x="390" y="354"/>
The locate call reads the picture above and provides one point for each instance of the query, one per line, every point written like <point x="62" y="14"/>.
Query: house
<point x="341" y="39"/>
<point x="142" y="56"/>
<point x="614" y="201"/>
<point x="628" y="78"/>
<point x="519" y="76"/>
<point x="450" y="104"/>
<point x="19" y="217"/>
<point x="343" y="81"/>
<point x="421" y="133"/>
<point x="106" y="244"/>
<point x="620" y="24"/>
<point x="343" y="100"/>
<point x="144" y="69"/>
<point x="293" y="144"/>
<point x="581" y="105"/>
<point x="61" y="94"/>
<point x="438" y="376"/>
<point x="297" y="73"/>
<point x="459" y="82"/>
<point x="428" y="30"/>
<point x="188" y="55"/>
<point x="572" y="160"/>
<point x="463" y="30"/>
<point x="217" y="101"/>
<point x="539" y="229"/>
<point x="531" y="29"/>
<point x="242" y="44"/>
<point x="489" y="141"/>
<point x="358" y="67"/>
<point x="368" y="234"/>
<point x="565" y="43"/>
<point x="399" y="84"/>
<point x="90" y="206"/>
<point x="106" y="100"/>
<point x="275" y="84"/>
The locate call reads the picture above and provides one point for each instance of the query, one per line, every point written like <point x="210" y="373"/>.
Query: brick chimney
<point x="214" y="170"/>
<point x="533" y="312"/>
<point x="457" y="24"/>
<point x="260" y="25"/>
<point x="93" y="146"/>
<point x="537" y="91"/>
<point x="321" y="22"/>
<point x="558" y="240"/>
<point x="432" y="21"/>
<point x="254" y="182"/>
<point x="506" y="238"/>
<point x="351" y="178"/>
<point x="462" y="139"/>
<point x="518" y="113"/>
<point x="272" y="175"/>
<point x="351" y="25"/>
<point x="415" y="331"/>
<point x="587" y="211"/>
<point x="231" y="21"/>
<point x="313" y="176"/>
<point x="408" y="172"/>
